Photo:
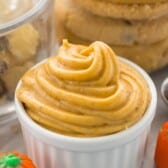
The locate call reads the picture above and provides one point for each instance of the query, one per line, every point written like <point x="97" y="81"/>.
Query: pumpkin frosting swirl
<point x="84" y="91"/>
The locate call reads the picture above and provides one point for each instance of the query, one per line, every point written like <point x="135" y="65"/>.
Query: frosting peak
<point x="96" y="62"/>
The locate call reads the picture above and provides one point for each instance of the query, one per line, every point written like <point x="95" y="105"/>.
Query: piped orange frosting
<point x="84" y="91"/>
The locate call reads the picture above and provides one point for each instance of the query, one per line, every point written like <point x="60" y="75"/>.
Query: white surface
<point x="124" y="149"/>
<point x="16" y="142"/>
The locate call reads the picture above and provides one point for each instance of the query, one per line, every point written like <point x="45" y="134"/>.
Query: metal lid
<point x="16" y="12"/>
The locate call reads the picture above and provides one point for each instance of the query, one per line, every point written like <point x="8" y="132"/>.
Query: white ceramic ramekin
<point x="121" y="150"/>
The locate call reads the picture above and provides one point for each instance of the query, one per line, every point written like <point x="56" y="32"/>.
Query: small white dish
<point x="164" y="90"/>
<point x="125" y="149"/>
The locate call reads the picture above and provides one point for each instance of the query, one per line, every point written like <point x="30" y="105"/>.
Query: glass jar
<point x="26" y="37"/>
<point x="10" y="133"/>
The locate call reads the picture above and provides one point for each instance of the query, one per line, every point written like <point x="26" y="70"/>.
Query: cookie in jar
<point x="26" y="37"/>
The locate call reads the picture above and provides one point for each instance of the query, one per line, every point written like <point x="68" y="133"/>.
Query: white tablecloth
<point x="16" y="142"/>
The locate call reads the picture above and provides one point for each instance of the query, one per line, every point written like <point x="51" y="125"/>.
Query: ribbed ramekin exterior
<point x="122" y="150"/>
<point x="128" y="155"/>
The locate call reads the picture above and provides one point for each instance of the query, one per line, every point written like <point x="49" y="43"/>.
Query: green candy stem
<point x="12" y="160"/>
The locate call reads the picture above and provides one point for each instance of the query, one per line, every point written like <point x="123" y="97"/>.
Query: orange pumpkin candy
<point x="161" y="154"/>
<point x="15" y="160"/>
